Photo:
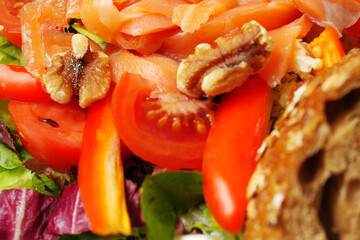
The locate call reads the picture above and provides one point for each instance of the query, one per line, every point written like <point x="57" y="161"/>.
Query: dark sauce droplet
<point x="49" y="121"/>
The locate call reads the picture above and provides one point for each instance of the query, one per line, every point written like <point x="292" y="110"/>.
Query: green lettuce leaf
<point x="164" y="197"/>
<point x="13" y="172"/>
<point x="19" y="177"/>
<point x="9" y="53"/>
<point x="45" y="185"/>
<point x="8" y="158"/>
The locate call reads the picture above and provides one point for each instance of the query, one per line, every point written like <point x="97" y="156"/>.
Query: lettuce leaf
<point x="9" y="53"/>
<point x="13" y="172"/>
<point x="19" y="177"/>
<point x="164" y="197"/>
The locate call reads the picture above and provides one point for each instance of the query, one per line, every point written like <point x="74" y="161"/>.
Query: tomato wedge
<point x="17" y="84"/>
<point x="50" y="132"/>
<point x="240" y="125"/>
<point x="164" y="128"/>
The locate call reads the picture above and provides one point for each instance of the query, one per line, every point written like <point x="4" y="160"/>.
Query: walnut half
<point x="213" y="71"/>
<point x="78" y="72"/>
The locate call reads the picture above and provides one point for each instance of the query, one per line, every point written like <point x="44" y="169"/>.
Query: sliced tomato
<point x="50" y="132"/>
<point x="17" y="84"/>
<point x="164" y="128"/>
<point x="9" y="11"/>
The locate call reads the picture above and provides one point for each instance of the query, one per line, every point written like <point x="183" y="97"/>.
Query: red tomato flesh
<point x="50" y="132"/>
<point x="9" y="11"/>
<point x="17" y="84"/>
<point x="240" y="124"/>
<point x="166" y="128"/>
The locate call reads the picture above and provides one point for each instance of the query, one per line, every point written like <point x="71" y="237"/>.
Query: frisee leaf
<point x="165" y="196"/>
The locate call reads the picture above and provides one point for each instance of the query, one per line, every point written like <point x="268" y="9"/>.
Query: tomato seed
<point x="49" y="121"/>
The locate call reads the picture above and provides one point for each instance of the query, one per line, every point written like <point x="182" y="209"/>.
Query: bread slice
<point x="307" y="183"/>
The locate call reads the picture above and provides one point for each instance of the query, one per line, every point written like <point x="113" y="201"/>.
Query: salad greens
<point x="171" y="203"/>
<point x="201" y="218"/>
<point x="9" y="53"/>
<point x="166" y="195"/>
<point x="15" y="170"/>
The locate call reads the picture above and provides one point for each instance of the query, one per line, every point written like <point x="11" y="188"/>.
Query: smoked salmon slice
<point x="338" y="14"/>
<point x="284" y="41"/>
<point x="164" y="7"/>
<point x="191" y="16"/>
<point x="270" y="15"/>
<point x="154" y="67"/>
<point x="40" y="36"/>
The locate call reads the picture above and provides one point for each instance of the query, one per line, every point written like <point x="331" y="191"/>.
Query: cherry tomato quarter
<point x="50" y="132"/>
<point x="164" y="128"/>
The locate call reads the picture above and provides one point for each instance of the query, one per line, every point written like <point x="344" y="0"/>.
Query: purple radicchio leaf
<point x="6" y="136"/>
<point x="133" y="203"/>
<point x="24" y="215"/>
<point x="69" y="217"/>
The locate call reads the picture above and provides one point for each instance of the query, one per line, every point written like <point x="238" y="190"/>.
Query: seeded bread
<point x="307" y="183"/>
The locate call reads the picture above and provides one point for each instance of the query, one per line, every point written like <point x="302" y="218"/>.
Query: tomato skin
<point x="102" y="188"/>
<point x="151" y="145"/>
<point x="239" y="127"/>
<point x="17" y="84"/>
<point x="13" y="37"/>
<point x="9" y="11"/>
<point x="57" y="146"/>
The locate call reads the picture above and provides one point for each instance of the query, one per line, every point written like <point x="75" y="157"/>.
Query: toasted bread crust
<point x="308" y="178"/>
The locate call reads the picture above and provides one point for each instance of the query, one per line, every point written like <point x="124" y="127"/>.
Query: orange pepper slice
<point x="331" y="48"/>
<point x="101" y="178"/>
